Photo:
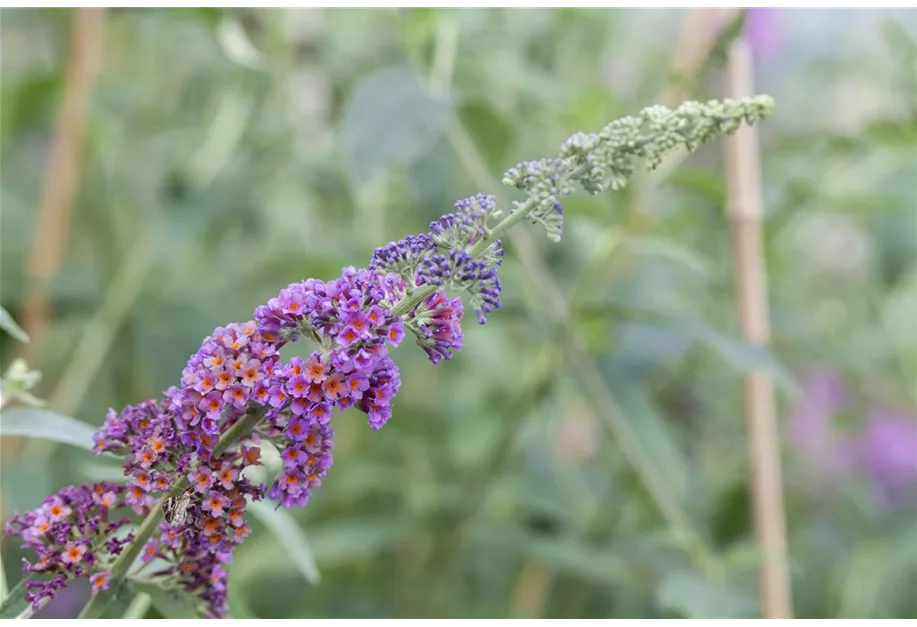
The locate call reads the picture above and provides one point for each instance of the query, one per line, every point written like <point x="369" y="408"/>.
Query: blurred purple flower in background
<point x="884" y="448"/>
<point x="813" y="434"/>
<point x="888" y="452"/>
<point x="762" y="27"/>
<point x="823" y="396"/>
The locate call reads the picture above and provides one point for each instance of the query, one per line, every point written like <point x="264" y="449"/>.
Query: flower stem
<point x="98" y="603"/>
<point x="634" y="147"/>
<point x="139" y="606"/>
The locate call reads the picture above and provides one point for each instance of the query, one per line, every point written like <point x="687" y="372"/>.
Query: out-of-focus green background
<point x="228" y="153"/>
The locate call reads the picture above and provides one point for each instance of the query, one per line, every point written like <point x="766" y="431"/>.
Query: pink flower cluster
<point x="238" y="372"/>
<point x="201" y="548"/>
<point x="72" y="535"/>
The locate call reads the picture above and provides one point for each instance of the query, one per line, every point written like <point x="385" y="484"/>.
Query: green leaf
<point x="859" y="596"/>
<point x="738" y="353"/>
<point x="692" y="596"/>
<point x="704" y="183"/>
<point x="103" y="468"/>
<point x="44" y="424"/>
<point x="14" y="604"/>
<point x="290" y="536"/>
<point x="492" y="133"/>
<point x="612" y="242"/>
<point x="389" y="120"/>
<point x="591" y="563"/>
<point x="238" y="607"/>
<point x="24" y="484"/>
<point x="648" y="425"/>
<point x="9" y="325"/>
<point x="237" y="45"/>
<point x="668" y="249"/>
<point x="357" y="538"/>
<point x="170" y="602"/>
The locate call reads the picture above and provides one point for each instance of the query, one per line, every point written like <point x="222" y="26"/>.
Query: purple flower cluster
<point x="238" y="368"/>
<point x="438" y="325"/>
<point x="201" y="548"/>
<point x="225" y="378"/>
<point x="72" y="535"/>
<point x="351" y="319"/>
<point x="443" y="258"/>
<point x="238" y="372"/>
<point x="404" y="257"/>
<point x="231" y="370"/>
<point x="459" y="265"/>
<point x="469" y="222"/>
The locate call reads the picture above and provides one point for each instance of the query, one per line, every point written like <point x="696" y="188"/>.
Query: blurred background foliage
<point x="228" y="153"/>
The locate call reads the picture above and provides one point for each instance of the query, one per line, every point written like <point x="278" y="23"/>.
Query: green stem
<point x="412" y="299"/>
<point x="119" y="568"/>
<point x="457" y="135"/>
<point x="139" y="606"/>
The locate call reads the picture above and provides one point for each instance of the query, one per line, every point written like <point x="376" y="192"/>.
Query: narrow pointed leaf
<point x="30" y="422"/>
<point x="290" y="536"/>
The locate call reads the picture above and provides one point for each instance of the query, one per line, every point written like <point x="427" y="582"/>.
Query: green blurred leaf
<point x="341" y="541"/>
<point x="46" y="425"/>
<point x="742" y="557"/>
<point x="895" y="233"/>
<point x="345" y="540"/>
<point x="692" y="596"/>
<point x="14" y="604"/>
<point x="898" y="313"/>
<point x="24" y="484"/>
<point x="730" y="518"/>
<point x="900" y="573"/>
<point x="645" y="347"/>
<point x="223" y="135"/>
<point x="590" y="563"/>
<point x="290" y="536"/>
<point x="103" y="469"/>
<point x="741" y="355"/>
<point x="669" y="249"/>
<point x="432" y="179"/>
<point x="237" y="45"/>
<point x="9" y="325"/>
<point x="648" y="425"/>
<point x="389" y="120"/>
<point x="606" y="246"/>
<point x="861" y="580"/>
<point x="30" y="101"/>
<point x="491" y="132"/>
<point x="211" y="16"/>
<point x="170" y="602"/>
<point x="238" y="608"/>
<point x="704" y="183"/>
